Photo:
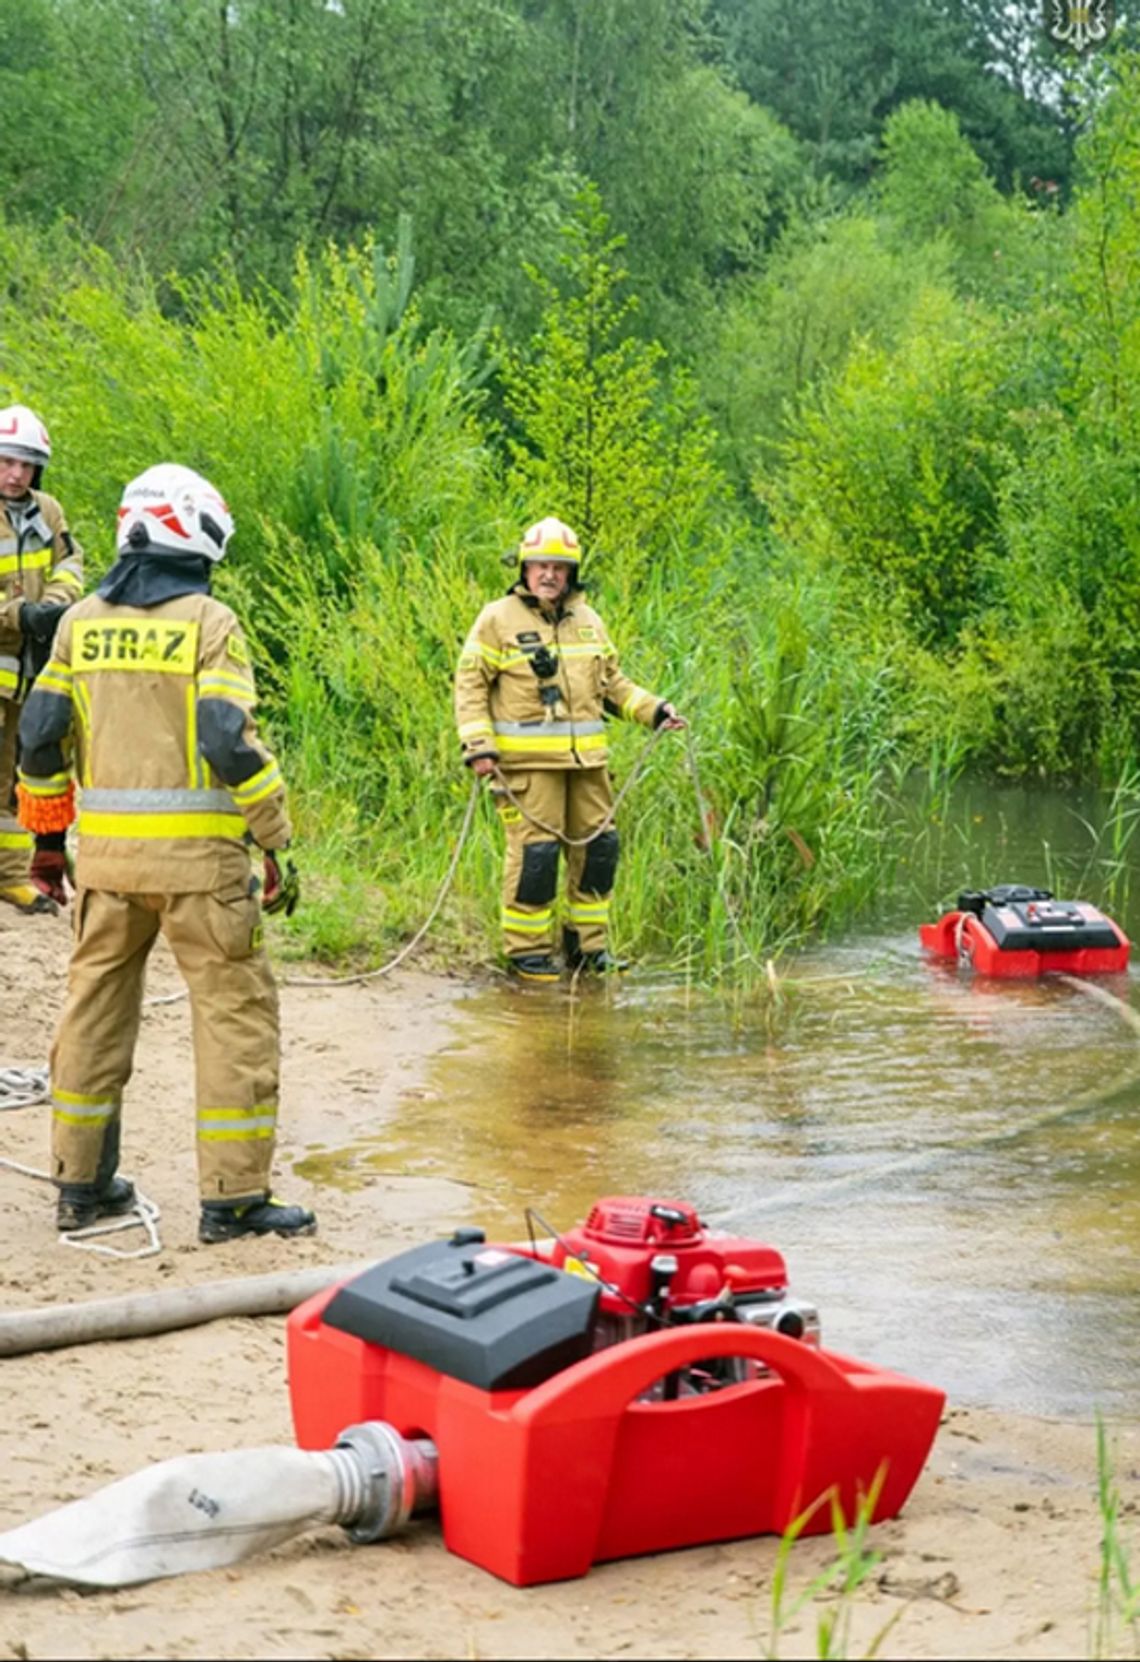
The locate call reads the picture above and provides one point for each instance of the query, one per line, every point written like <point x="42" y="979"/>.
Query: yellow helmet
<point x="550" y="539"/>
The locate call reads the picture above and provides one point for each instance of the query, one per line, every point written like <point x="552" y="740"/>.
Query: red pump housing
<point x="1015" y="931"/>
<point x="711" y="1427"/>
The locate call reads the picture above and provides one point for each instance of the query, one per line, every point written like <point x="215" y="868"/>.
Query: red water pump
<point x="657" y="1266"/>
<point x="1014" y="930"/>
<point x="635" y="1384"/>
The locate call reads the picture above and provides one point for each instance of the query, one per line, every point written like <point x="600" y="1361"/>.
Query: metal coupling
<point x="395" y="1477"/>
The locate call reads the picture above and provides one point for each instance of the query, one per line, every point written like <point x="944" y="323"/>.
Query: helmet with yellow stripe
<point x="551" y="539"/>
<point x="172" y="510"/>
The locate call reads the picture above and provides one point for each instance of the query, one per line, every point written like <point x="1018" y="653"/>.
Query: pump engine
<point x="658" y="1266"/>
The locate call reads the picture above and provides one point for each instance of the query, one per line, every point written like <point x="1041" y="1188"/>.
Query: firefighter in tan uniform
<point x="536" y="677"/>
<point x="41" y="573"/>
<point x="152" y="678"/>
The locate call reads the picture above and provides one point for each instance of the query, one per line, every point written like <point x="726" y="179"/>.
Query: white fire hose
<point x="205" y="1511"/>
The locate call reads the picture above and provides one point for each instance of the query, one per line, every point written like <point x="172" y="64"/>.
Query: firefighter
<point x="41" y="572"/>
<point x="152" y="677"/>
<point x="535" y="678"/>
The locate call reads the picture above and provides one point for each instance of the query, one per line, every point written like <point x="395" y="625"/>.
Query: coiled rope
<point x="26" y="1088"/>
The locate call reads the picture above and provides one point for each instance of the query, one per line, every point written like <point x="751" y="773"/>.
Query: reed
<point x="1117" y="1626"/>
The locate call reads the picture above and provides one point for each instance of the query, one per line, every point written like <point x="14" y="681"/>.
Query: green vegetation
<point x="1118" y="1595"/>
<point x="854" y="1563"/>
<point x="825" y="333"/>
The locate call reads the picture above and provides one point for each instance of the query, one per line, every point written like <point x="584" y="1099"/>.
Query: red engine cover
<point x="624" y="1233"/>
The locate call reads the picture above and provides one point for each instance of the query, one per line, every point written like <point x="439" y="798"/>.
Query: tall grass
<point x="1118" y="1591"/>
<point x="841" y="1580"/>
<point x="374" y="501"/>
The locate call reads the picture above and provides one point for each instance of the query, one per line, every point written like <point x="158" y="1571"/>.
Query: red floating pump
<point x="637" y="1384"/>
<point x="1014" y="930"/>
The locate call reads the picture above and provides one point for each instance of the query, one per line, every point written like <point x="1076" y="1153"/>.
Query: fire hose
<point x="206" y="1511"/>
<point x="138" y="1315"/>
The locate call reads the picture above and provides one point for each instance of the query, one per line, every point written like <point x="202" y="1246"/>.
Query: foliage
<point x="1118" y="1595"/>
<point x="598" y="433"/>
<point x="893" y="470"/>
<point x="805" y="319"/>
<point x="834" y="74"/>
<point x="853" y="1565"/>
<point x="828" y="285"/>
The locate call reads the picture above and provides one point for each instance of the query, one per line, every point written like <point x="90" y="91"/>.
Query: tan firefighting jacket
<point x="39" y="560"/>
<point x="170" y="770"/>
<point x="505" y="706"/>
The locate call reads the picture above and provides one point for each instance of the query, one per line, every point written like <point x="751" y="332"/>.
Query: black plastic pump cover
<point x="1003" y="894"/>
<point x="493" y="1318"/>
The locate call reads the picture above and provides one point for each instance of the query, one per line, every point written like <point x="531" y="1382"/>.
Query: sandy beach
<point x="997" y="1553"/>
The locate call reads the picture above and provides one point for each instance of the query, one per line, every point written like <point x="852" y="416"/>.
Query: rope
<point x="144" y="1214"/>
<point x="407" y="950"/>
<point x="611" y="815"/>
<point x="704" y="813"/>
<point x="449" y="877"/>
<point x="26" y="1088"/>
<point x="23" y="1087"/>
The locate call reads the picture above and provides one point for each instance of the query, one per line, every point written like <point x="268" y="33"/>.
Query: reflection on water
<point x="951" y="1166"/>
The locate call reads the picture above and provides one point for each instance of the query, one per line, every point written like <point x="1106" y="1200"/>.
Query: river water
<point x="951" y="1166"/>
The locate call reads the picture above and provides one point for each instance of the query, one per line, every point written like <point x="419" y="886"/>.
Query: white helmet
<point x="24" y="436"/>
<point x="550" y="539"/>
<point x="172" y="510"/>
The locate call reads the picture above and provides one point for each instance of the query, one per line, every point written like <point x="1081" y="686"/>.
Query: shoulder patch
<point x="236" y="649"/>
<point x="587" y="632"/>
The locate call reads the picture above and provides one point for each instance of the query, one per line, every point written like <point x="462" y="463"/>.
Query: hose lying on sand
<point x="135" y="1315"/>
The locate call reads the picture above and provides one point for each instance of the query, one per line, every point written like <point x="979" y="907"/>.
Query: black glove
<point x="38" y="619"/>
<point x="282" y="885"/>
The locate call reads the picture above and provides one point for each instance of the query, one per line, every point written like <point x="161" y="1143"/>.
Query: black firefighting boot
<point x="82" y="1204"/>
<point x="596" y="962"/>
<point x="220" y="1221"/>
<point x="533" y="966"/>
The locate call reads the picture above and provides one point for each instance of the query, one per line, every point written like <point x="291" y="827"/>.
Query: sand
<point x="996" y="1555"/>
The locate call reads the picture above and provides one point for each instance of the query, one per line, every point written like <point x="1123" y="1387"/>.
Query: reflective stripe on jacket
<point x="503" y="707"/>
<point x="170" y="768"/>
<point x="39" y="560"/>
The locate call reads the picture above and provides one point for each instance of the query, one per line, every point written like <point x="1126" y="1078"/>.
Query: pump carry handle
<point x="613" y="1377"/>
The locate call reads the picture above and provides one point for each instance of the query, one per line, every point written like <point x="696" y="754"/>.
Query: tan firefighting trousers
<point x="575" y="801"/>
<point x="216" y="941"/>
<point x="15" y="842"/>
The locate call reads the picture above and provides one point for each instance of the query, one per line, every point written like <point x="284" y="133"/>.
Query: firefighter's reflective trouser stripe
<point x="575" y="803"/>
<point x="216" y="941"/>
<point x="15" y="842"/>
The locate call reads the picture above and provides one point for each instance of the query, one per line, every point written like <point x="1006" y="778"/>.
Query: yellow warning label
<point x="575" y="1266"/>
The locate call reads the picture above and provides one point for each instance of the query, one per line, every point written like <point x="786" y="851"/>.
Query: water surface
<point x="951" y="1166"/>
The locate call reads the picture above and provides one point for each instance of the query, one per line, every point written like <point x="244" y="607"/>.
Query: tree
<point x="599" y="435"/>
<point x="833" y="74"/>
